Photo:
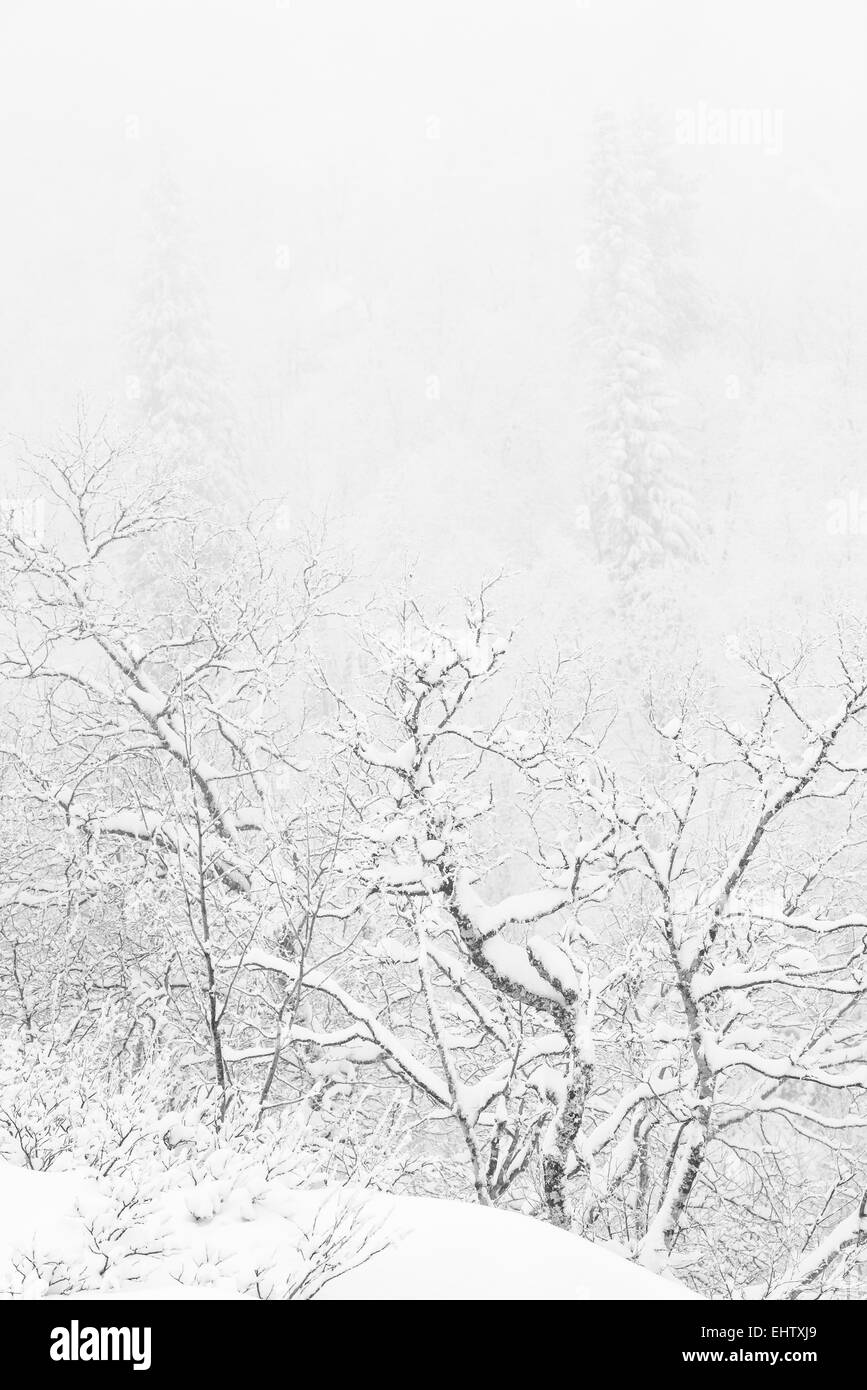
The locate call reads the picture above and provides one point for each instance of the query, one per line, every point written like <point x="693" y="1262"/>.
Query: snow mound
<point x="457" y="1250"/>
<point x="410" y="1247"/>
<point x="32" y="1204"/>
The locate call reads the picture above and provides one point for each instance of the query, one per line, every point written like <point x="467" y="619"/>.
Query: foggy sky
<point x="306" y="124"/>
<point x="429" y="162"/>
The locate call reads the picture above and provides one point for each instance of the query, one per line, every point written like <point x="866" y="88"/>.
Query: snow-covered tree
<point x="679" y="976"/>
<point x="147" y="845"/>
<point x="458" y="934"/>
<point x="642" y="310"/>
<point x="181" y="404"/>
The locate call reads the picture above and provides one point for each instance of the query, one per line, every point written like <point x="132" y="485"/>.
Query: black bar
<point x="384" y="1343"/>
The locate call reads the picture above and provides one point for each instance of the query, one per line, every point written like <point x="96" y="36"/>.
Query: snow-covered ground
<point x="399" y="1247"/>
<point x="445" y="1249"/>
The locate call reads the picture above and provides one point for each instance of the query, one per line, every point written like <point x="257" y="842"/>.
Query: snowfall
<point x="387" y="1247"/>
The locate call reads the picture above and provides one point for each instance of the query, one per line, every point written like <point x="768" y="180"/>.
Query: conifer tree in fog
<point x="182" y="407"/>
<point x="643" y="311"/>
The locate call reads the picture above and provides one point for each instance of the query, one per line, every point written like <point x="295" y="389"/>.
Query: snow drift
<point x="381" y="1247"/>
